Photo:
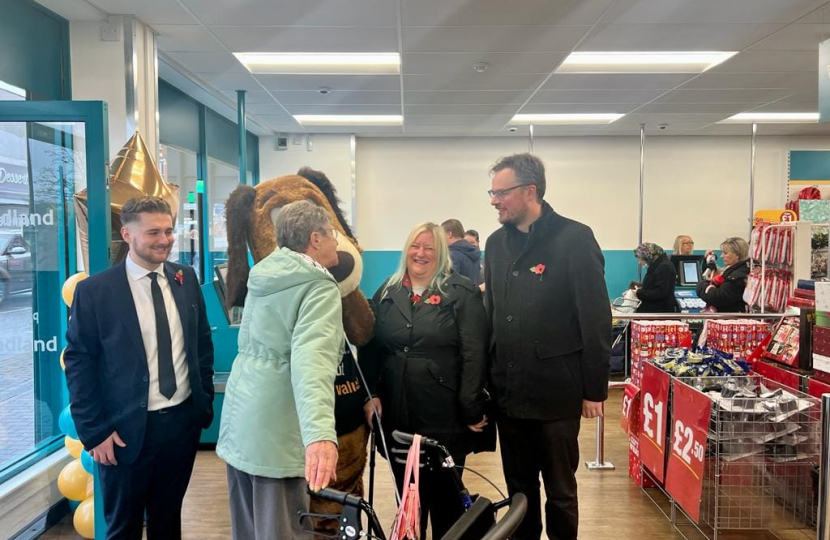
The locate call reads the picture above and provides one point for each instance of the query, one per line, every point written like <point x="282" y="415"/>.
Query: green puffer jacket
<point x="279" y="397"/>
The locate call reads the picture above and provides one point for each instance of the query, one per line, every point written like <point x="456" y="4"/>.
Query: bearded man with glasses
<point x="551" y="344"/>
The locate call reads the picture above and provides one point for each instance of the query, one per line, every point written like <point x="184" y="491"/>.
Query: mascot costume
<point x="251" y="213"/>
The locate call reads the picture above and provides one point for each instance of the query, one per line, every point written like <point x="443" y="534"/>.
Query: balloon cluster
<point x="75" y="481"/>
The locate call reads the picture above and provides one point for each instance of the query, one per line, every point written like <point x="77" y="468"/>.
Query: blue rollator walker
<point x="477" y="523"/>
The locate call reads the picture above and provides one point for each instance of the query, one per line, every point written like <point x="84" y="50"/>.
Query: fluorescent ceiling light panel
<point x="565" y="119"/>
<point x="643" y="62"/>
<point x="321" y="63"/>
<point x="349" y="119"/>
<point x="772" y="118"/>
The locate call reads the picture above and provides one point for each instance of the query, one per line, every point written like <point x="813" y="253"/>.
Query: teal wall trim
<point x="620" y="270"/>
<point x="809" y="165"/>
<point x="35" y="45"/>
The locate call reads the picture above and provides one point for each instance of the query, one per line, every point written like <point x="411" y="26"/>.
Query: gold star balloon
<point x="132" y="174"/>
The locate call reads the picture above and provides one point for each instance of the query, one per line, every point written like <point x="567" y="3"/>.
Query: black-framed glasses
<point x="500" y="193"/>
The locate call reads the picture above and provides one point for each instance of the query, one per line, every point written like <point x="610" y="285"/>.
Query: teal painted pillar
<point x="243" y="137"/>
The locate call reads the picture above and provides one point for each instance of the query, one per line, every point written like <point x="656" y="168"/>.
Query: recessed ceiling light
<point x="573" y="119"/>
<point x="643" y="62"/>
<point x="321" y="63"/>
<point x="349" y="119"/>
<point x="772" y="118"/>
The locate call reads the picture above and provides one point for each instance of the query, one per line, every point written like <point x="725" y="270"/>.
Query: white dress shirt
<point x="143" y="298"/>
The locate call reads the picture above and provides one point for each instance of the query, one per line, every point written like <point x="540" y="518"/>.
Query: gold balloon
<point x="84" y="518"/>
<point x="68" y="290"/>
<point x="132" y="174"/>
<point x="73" y="480"/>
<point x="63" y="365"/>
<point x="73" y="446"/>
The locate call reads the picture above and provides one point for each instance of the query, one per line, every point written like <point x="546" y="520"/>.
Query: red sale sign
<point x="690" y="428"/>
<point x="653" y="414"/>
<point x="629" y="419"/>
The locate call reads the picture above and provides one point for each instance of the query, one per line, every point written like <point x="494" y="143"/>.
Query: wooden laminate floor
<point x="611" y="506"/>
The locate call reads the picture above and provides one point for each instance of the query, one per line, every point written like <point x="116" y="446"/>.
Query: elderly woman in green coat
<point x="277" y="432"/>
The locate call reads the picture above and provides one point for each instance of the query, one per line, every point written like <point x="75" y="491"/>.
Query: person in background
<point x="472" y="237"/>
<point x="465" y="256"/>
<point x="548" y="307"/>
<point x="277" y="433"/>
<point x="683" y="245"/>
<point x="139" y="367"/>
<point x="428" y="363"/>
<point x="725" y="289"/>
<point x="656" y="293"/>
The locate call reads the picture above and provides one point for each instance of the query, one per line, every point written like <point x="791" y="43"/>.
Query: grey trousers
<point x="266" y="508"/>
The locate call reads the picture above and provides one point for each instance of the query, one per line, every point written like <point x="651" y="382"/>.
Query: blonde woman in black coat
<point x="427" y="363"/>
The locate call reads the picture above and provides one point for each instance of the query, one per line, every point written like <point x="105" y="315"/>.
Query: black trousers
<point x="440" y="501"/>
<point x="531" y="447"/>
<point x="156" y="482"/>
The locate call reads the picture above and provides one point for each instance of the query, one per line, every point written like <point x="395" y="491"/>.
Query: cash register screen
<point x="690" y="273"/>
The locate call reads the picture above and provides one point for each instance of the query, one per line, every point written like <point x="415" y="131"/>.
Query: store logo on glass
<point x="7" y="177"/>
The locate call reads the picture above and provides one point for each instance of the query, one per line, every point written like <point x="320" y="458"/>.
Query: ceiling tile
<point x="338" y="98"/>
<point x="252" y="97"/>
<point x="493" y="122"/>
<point x="578" y="108"/>
<point x="174" y="38"/>
<point x="462" y="63"/>
<point x="769" y="61"/>
<point x="295" y="12"/>
<point x="208" y="62"/>
<point x="473" y="81"/>
<point x="309" y="39"/>
<point x="151" y="12"/>
<point x="461" y="110"/>
<point x="345" y="109"/>
<point x="780" y="106"/>
<point x="723" y="96"/>
<point x="616" y="81"/>
<point x="334" y="82"/>
<point x="808" y="96"/>
<point x="709" y="11"/>
<point x="487" y="39"/>
<point x="498" y="12"/>
<point x="675" y="37"/>
<point x="696" y="108"/>
<point x="668" y="118"/>
<point x="464" y="98"/>
<point x="231" y="81"/>
<point x="595" y="96"/>
<point x="265" y="108"/>
<point x="796" y="80"/>
<point x="796" y="37"/>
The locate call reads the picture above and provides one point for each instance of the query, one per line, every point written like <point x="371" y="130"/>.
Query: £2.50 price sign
<point x="690" y="423"/>
<point x="653" y="415"/>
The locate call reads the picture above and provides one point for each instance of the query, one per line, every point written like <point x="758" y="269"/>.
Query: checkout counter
<point x="689" y="270"/>
<point x="224" y="328"/>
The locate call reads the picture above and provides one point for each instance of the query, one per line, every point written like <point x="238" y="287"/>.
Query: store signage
<point x="775" y="216"/>
<point x="687" y="453"/>
<point x="824" y="81"/>
<point x="14" y="179"/>
<point x="653" y="417"/>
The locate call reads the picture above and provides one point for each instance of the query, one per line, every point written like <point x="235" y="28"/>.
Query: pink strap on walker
<point x="408" y="521"/>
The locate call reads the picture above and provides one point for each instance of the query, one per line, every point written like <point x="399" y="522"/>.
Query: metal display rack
<point x="760" y="469"/>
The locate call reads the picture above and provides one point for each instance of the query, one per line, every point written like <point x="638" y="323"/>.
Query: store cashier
<point x="725" y="289"/>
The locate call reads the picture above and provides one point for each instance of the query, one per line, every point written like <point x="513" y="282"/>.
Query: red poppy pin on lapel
<point x="539" y="270"/>
<point x="179" y="277"/>
<point x="433" y="300"/>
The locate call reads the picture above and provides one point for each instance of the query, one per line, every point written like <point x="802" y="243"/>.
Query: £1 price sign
<point x="653" y="415"/>
<point x="690" y="426"/>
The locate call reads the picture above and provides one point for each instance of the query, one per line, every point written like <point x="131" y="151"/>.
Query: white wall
<point x="693" y="185"/>
<point x="330" y="154"/>
<point x="98" y="74"/>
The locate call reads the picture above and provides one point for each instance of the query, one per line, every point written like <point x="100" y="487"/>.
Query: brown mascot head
<point x="251" y="213"/>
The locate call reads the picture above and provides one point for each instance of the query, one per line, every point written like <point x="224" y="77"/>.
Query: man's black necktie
<point x="167" y="375"/>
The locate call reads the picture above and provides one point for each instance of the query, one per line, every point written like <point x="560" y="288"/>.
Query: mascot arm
<point x="358" y="319"/>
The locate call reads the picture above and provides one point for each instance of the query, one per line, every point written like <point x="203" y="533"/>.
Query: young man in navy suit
<point x="139" y="366"/>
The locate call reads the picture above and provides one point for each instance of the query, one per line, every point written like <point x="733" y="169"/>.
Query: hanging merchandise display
<point x="780" y="254"/>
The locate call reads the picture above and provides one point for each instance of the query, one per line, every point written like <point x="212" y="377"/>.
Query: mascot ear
<point x="239" y="212"/>
<point x="319" y="179"/>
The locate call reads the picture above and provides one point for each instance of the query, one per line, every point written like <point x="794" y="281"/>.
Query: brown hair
<point x="529" y="171"/>
<point x="454" y="227"/>
<point x="143" y="205"/>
